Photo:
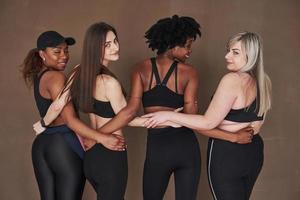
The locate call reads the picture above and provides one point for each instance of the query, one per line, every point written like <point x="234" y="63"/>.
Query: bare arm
<point x="242" y="136"/>
<point x="191" y="93"/>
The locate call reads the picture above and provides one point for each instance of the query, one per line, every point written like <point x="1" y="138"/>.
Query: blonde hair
<point x="252" y="45"/>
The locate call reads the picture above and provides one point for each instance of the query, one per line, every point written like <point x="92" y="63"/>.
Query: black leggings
<point x="58" y="169"/>
<point x="107" y="172"/>
<point x="233" y="168"/>
<point x="171" y="150"/>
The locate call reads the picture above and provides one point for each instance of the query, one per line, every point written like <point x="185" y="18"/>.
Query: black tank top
<point x="247" y="114"/>
<point x="161" y="95"/>
<point x="103" y="109"/>
<point x="41" y="102"/>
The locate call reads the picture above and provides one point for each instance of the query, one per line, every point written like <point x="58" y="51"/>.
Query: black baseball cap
<point x="52" y="39"/>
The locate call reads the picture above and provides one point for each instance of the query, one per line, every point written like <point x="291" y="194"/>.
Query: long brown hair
<point x="31" y="66"/>
<point x="84" y="78"/>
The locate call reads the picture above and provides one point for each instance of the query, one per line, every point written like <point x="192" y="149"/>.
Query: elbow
<point x="210" y="126"/>
<point x="205" y="126"/>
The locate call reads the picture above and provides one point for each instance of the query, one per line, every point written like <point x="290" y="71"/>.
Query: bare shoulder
<point x="187" y="69"/>
<point x="107" y="81"/>
<point x="231" y="76"/>
<point x="230" y="79"/>
<point x="142" y="66"/>
<point x="54" y="77"/>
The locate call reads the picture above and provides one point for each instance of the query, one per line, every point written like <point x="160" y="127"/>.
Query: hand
<point x="38" y="128"/>
<point x="156" y="118"/>
<point x="244" y="136"/>
<point x="88" y="143"/>
<point x="113" y="142"/>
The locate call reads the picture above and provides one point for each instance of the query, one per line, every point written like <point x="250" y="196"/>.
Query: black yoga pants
<point x="171" y="150"/>
<point x="233" y="168"/>
<point x="58" y="169"/>
<point x="107" y="171"/>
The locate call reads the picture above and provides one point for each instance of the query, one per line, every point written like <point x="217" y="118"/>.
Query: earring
<point x="44" y="59"/>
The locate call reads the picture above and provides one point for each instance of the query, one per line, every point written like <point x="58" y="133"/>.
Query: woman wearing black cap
<point x="57" y="153"/>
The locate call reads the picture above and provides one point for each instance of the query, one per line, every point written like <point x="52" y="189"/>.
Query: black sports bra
<point x="41" y="102"/>
<point x="103" y="109"/>
<point x="247" y="114"/>
<point x="161" y="95"/>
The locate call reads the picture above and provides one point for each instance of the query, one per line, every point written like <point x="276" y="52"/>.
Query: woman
<point x="242" y="99"/>
<point x="57" y="152"/>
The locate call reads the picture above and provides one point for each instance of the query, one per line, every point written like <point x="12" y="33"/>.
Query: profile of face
<point x="236" y="57"/>
<point x="111" y="48"/>
<point x="183" y="53"/>
<point x="55" y="57"/>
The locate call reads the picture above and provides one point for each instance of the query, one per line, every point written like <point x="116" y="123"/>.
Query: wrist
<point x="43" y="123"/>
<point x="99" y="138"/>
<point x="233" y="138"/>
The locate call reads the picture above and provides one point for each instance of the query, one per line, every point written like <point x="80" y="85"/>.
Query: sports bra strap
<point x="151" y="78"/>
<point x="40" y="76"/>
<point x="155" y="71"/>
<point x="176" y="69"/>
<point x="173" y="66"/>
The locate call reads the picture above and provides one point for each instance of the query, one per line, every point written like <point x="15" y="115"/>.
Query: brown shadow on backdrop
<point x="275" y="20"/>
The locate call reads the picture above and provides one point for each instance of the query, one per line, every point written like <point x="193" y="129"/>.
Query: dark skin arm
<point x="242" y="136"/>
<point x="191" y="92"/>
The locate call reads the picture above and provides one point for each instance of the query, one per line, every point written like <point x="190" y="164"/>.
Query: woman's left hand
<point x="156" y="118"/>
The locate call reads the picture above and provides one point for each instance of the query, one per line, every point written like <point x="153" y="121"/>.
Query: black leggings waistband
<point x="69" y="136"/>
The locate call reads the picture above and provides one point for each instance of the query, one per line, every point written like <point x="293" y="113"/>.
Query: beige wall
<point x="277" y="21"/>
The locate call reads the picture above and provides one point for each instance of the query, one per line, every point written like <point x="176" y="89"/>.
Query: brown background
<point x="276" y="20"/>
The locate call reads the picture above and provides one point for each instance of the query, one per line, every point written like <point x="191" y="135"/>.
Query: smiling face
<point x="111" y="48"/>
<point x="56" y="57"/>
<point x="183" y="53"/>
<point x="236" y="57"/>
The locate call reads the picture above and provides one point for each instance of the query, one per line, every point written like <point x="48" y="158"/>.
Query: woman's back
<point x="245" y="104"/>
<point x="164" y="83"/>
<point x="104" y="104"/>
<point x="43" y="85"/>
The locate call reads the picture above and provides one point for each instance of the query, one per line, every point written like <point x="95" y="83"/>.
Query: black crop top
<point x="247" y="114"/>
<point x="41" y="102"/>
<point x="161" y="95"/>
<point x="103" y="109"/>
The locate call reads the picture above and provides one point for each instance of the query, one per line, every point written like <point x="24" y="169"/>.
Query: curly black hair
<point x="169" y="32"/>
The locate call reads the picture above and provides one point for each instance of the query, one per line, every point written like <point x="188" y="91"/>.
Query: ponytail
<point x="31" y="66"/>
